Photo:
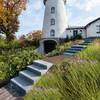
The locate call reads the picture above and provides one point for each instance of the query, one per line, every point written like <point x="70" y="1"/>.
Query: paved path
<point x="7" y="93"/>
<point x="55" y="59"/>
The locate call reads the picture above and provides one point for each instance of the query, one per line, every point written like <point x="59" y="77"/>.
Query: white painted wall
<point x="70" y="32"/>
<point x="59" y="16"/>
<point x="92" y="30"/>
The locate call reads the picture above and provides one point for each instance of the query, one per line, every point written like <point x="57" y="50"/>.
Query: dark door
<point x="75" y="33"/>
<point x="49" y="45"/>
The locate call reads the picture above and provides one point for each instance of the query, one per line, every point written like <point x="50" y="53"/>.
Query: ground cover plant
<point x="14" y="59"/>
<point x="71" y="80"/>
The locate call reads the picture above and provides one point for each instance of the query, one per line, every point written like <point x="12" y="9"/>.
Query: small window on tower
<point x="53" y="10"/>
<point x="52" y="21"/>
<point x="52" y="32"/>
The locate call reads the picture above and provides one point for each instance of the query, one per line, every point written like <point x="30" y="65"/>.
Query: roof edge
<point x="92" y="22"/>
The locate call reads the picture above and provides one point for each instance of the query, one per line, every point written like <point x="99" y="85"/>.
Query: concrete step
<point x="44" y="64"/>
<point x="40" y="64"/>
<point x="29" y="75"/>
<point x="36" y="70"/>
<point x="68" y="54"/>
<point x="83" y="43"/>
<point x="88" y="40"/>
<point x="24" y="82"/>
<point x="71" y="51"/>
<point x="21" y="84"/>
<point x="79" y="46"/>
<point x="76" y="49"/>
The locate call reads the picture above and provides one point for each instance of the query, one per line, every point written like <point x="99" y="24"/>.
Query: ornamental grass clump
<point x="80" y="81"/>
<point x="72" y="80"/>
<point x="92" y="52"/>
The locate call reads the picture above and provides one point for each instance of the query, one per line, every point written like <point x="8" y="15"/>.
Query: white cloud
<point x="86" y="5"/>
<point x="37" y="5"/>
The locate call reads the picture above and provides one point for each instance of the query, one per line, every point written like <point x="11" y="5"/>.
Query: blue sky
<point x="79" y="13"/>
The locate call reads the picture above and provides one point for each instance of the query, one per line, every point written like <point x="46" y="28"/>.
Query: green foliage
<point x="60" y="48"/>
<point x="4" y="45"/>
<point x="14" y="59"/>
<point x="71" y="81"/>
<point x="44" y="94"/>
<point x="78" y="36"/>
<point x="9" y="23"/>
<point x="91" y="53"/>
<point x="78" y="80"/>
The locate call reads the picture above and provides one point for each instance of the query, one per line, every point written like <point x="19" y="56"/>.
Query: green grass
<point x="92" y="52"/>
<point x="71" y="80"/>
<point x="46" y="94"/>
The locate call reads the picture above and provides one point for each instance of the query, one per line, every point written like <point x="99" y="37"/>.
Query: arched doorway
<point x="49" y="45"/>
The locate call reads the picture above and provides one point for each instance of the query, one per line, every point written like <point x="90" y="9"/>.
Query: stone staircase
<point x="77" y="48"/>
<point x="24" y="82"/>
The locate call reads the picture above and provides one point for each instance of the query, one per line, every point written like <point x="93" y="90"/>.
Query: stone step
<point x="87" y="41"/>
<point x="44" y="63"/>
<point x="79" y="46"/>
<point x="83" y="43"/>
<point x="40" y="63"/>
<point x="75" y="49"/>
<point x="21" y="85"/>
<point x="71" y="51"/>
<point x="24" y="82"/>
<point x="36" y="70"/>
<point x="29" y="75"/>
<point x="68" y="54"/>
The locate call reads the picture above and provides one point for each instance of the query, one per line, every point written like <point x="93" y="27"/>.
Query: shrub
<point x="14" y="60"/>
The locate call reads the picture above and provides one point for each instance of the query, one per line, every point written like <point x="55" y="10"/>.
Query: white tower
<point x="54" y="25"/>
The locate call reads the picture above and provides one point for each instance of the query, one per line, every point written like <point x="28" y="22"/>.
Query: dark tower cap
<point x="46" y="0"/>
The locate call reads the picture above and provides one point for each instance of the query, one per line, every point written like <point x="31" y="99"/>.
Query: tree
<point x="10" y="10"/>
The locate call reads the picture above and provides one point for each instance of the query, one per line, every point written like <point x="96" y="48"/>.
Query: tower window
<point x="53" y="10"/>
<point x="52" y="32"/>
<point x="52" y="21"/>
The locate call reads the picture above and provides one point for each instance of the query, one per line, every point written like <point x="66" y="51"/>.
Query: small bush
<point x="14" y="58"/>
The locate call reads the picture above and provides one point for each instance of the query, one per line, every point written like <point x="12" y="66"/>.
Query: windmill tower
<point x="54" y="25"/>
